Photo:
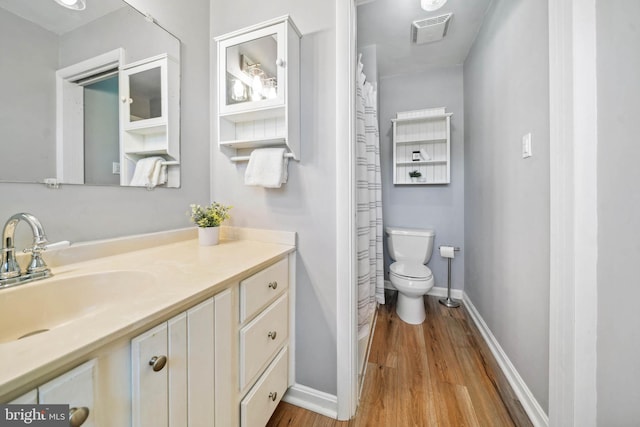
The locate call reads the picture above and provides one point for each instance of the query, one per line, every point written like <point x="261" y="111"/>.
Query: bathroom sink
<point x="38" y="307"/>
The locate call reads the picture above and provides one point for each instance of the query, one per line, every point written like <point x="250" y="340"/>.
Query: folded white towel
<point x="267" y="168"/>
<point x="148" y="172"/>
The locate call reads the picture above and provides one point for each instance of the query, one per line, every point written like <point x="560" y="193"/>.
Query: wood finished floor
<point x="440" y="373"/>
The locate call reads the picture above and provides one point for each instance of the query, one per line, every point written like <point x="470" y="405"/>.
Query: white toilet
<point x="410" y="249"/>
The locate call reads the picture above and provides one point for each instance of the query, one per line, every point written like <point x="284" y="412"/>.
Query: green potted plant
<point x="208" y="220"/>
<point x="414" y="175"/>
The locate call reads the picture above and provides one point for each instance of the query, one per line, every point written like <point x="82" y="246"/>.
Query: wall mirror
<point x="88" y="96"/>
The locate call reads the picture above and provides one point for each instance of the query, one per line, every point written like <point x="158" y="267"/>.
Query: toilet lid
<point x="410" y="269"/>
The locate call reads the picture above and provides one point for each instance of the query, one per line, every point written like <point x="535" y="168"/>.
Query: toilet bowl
<point x="411" y="249"/>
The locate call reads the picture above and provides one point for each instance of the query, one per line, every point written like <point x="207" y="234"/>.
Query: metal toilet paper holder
<point x="448" y="301"/>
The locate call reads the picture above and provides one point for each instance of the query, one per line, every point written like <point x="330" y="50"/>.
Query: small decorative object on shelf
<point x="208" y="220"/>
<point x="415" y="175"/>
<point x="416" y="156"/>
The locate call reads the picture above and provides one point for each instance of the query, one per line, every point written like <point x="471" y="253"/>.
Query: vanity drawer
<point x="260" y="289"/>
<point x="262" y="338"/>
<point x="258" y="405"/>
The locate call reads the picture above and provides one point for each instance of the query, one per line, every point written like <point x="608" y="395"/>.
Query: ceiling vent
<point x="430" y="29"/>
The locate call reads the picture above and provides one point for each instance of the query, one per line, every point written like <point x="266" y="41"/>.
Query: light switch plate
<point x="115" y="168"/>
<point x="526" y="146"/>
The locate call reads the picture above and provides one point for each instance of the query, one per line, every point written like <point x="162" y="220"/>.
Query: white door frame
<point x="573" y="210"/>
<point x="346" y="296"/>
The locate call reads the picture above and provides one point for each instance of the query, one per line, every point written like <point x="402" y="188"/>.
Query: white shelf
<point x="254" y="143"/>
<point x="423" y="141"/>
<point x="427" y="130"/>
<point x="423" y="183"/>
<point x="143" y="127"/>
<point x="254" y="114"/>
<point x="422" y="162"/>
<point x="422" y="119"/>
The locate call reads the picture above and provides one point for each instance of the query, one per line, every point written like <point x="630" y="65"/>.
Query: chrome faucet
<point x="10" y="273"/>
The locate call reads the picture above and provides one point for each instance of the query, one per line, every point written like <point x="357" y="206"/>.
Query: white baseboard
<point x="438" y="291"/>
<point x="531" y="406"/>
<point x="313" y="400"/>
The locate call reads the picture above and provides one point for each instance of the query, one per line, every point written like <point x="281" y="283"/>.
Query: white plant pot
<point x="208" y="236"/>
<point x="415" y="179"/>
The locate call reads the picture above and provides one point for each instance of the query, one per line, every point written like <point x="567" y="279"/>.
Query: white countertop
<point x="184" y="273"/>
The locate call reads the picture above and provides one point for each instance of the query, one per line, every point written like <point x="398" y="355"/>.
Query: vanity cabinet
<point x="259" y="87"/>
<point x="186" y="371"/>
<point x="149" y="115"/>
<point x="222" y="357"/>
<point x="173" y="365"/>
<point x="75" y="388"/>
<point x="422" y="142"/>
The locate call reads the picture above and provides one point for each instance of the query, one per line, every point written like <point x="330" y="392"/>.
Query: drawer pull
<point x="77" y="416"/>
<point x="272" y="335"/>
<point x="158" y="363"/>
<point x="273" y="395"/>
<point x="273" y="285"/>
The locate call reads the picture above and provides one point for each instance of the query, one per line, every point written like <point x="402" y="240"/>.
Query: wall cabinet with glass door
<point x="150" y="124"/>
<point x="259" y="87"/>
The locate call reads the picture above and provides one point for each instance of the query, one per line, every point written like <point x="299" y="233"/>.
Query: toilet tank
<point x="410" y="244"/>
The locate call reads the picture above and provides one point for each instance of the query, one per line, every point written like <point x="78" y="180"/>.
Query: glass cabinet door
<point x="252" y="70"/>
<point x="143" y="94"/>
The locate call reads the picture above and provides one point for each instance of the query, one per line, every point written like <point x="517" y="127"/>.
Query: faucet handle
<point x="36" y="264"/>
<point x="48" y="247"/>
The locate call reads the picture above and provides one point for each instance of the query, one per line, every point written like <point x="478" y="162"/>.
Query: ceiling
<point x="52" y="17"/>
<point x="387" y="24"/>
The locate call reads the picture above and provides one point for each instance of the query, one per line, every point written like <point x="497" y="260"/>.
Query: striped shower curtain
<point x="369" y="203"/>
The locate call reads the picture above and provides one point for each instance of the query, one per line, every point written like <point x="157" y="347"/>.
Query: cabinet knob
<point x="158" y="362"/>
<point x="273" y="395"/>
<point x="124" y="100"/>
<point x="77" y="416"/>
<point x="280" y="62"/>
<point x="273" y="285"/>
<point x="272" y="335"/>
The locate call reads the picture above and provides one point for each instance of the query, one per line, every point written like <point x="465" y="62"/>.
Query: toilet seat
<point x="410" y="270"/>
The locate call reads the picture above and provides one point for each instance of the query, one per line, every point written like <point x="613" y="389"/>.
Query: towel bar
<point x="246" y="158"/>
<point x="455" y="248"/>
<point x="170" y="163"/>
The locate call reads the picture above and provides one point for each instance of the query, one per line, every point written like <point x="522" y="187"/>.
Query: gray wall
<point x="124" y="28"/>
<point x="618" y="371"/>
<point x="369" y="59"/>
<point x="80" y="213"/>
<point x="307" y="203"/>
<point x="27" y="112"/>
<point x="439" y="207"/>
<point x="506" y="93"/>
